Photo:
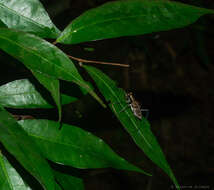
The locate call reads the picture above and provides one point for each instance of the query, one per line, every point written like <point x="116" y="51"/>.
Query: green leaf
<point x="41" y="56"/>
<point x="23" y="148"/>
<point x="9" y="177"/>
<point x="29" y="16"/>
<point x="73" y="146"/>
<point x="138" y="129"/>
<point x="57" y="187"/>
<point x="65" y="99"/>
<point x="69" y="182"/>
<point x="128" y="18"/>
<point x="2" y="24"/>
<point x="51" y="84"/>
<point x="22" y="94"/>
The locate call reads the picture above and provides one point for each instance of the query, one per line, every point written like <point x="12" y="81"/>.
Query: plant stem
<point x="97" y="62"/>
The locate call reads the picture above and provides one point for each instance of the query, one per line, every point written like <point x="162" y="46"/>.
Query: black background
<point x="171" y="74"/>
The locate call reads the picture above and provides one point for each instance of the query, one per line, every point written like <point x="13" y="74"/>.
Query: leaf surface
<point x="9" y="177"/>
<point x="57" y="187"/>
<point x="23" y="148"/>
<point x="51" y="84"/>
<point x="2" y="25"/>
<point x="138" y="129"/>
<point x="69" y="182"/>
<point x="29" y="16"/>
<point x="22" y="94"/>
<point x="73" y="146"/>
<point x="128" y="18"/>
<point x="41" y="56"/>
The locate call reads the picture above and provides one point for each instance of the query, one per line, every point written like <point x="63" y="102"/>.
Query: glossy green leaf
<point x="69" y="182"/>
<point x="24" y="149"/>
<point x="9" y="177"/>
<point x="4" y="178"/>
<point x="2" y="24"/>
<point x="65" y="99"/>
<point x="41" y="56"/>
<point x="57" y="187"/>
<point x="29" y="16"/>
<point x="73" y="146"/>
<point x="22" y="94"/>
<point x="51" y="84"/>
<point x="138" y="129"/>
<point x="128" y="18"/>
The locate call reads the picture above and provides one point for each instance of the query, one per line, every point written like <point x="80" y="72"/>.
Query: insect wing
<point x="135" y="106"/>
<point x="136" y="109"/>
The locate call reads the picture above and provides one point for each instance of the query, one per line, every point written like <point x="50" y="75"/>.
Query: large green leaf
<point x="73" y="146"/>
<point x="41" y="56"/>
<point x="9" y="177"/>
<point x="127" y="18"/>
<point x="69" y="182"/>
<point x="29" y="16"/>
<point x="57" y="187"/>
<point x="2" y="24"/>
<point x="138" y="129"/>
<point x="24" y="149"/>
<point x="22" y="94"/>
<point x="51" y="84"/>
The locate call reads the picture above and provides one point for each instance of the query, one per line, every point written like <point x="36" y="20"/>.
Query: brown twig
<point x="22" y="117"/>
<point x="98" y="62"/>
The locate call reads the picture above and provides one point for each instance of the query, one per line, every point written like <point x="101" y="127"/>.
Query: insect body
<point x="135" y="105"/>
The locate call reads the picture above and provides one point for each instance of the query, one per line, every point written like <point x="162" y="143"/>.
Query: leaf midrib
<point x="96" y="23"/>
<point x="5" y="171"/>
<point x="165" y="165"/>
<point x="46" y="60"/>
<point x="19" y="94"/>
<point x="124" y="110"/>
<point x="35" y="170"/>
<point x="106" y="21"/>
<point x="26" y="18"/>
<point x="51" y="140"/>
<point x="74" y="79"/>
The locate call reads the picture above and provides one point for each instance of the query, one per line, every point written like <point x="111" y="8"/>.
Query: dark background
<point x="171" y="74"/>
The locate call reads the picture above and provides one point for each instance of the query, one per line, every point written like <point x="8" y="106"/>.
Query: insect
<point x="135" y="106"/>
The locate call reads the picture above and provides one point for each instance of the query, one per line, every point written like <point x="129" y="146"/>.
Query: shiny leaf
<point x="57" y="187"/>
<point x="138" y="129"/>
<point x="65" y="99"/>
<point x="22" y="94"/>
<point x="69" y="182"/>
<point x="73" y="146"/>
<point x="9" y="177"/>
<point x="29" y="16"/>
<point x="24" y="149"/>
<point x="2" y="24"/>
<point x="128" y="18"/>
<point x="51" y="84"/>
<point x="41" y="56"/>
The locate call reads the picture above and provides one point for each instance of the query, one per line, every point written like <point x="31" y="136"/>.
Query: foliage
<point x="33" y="142"/>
